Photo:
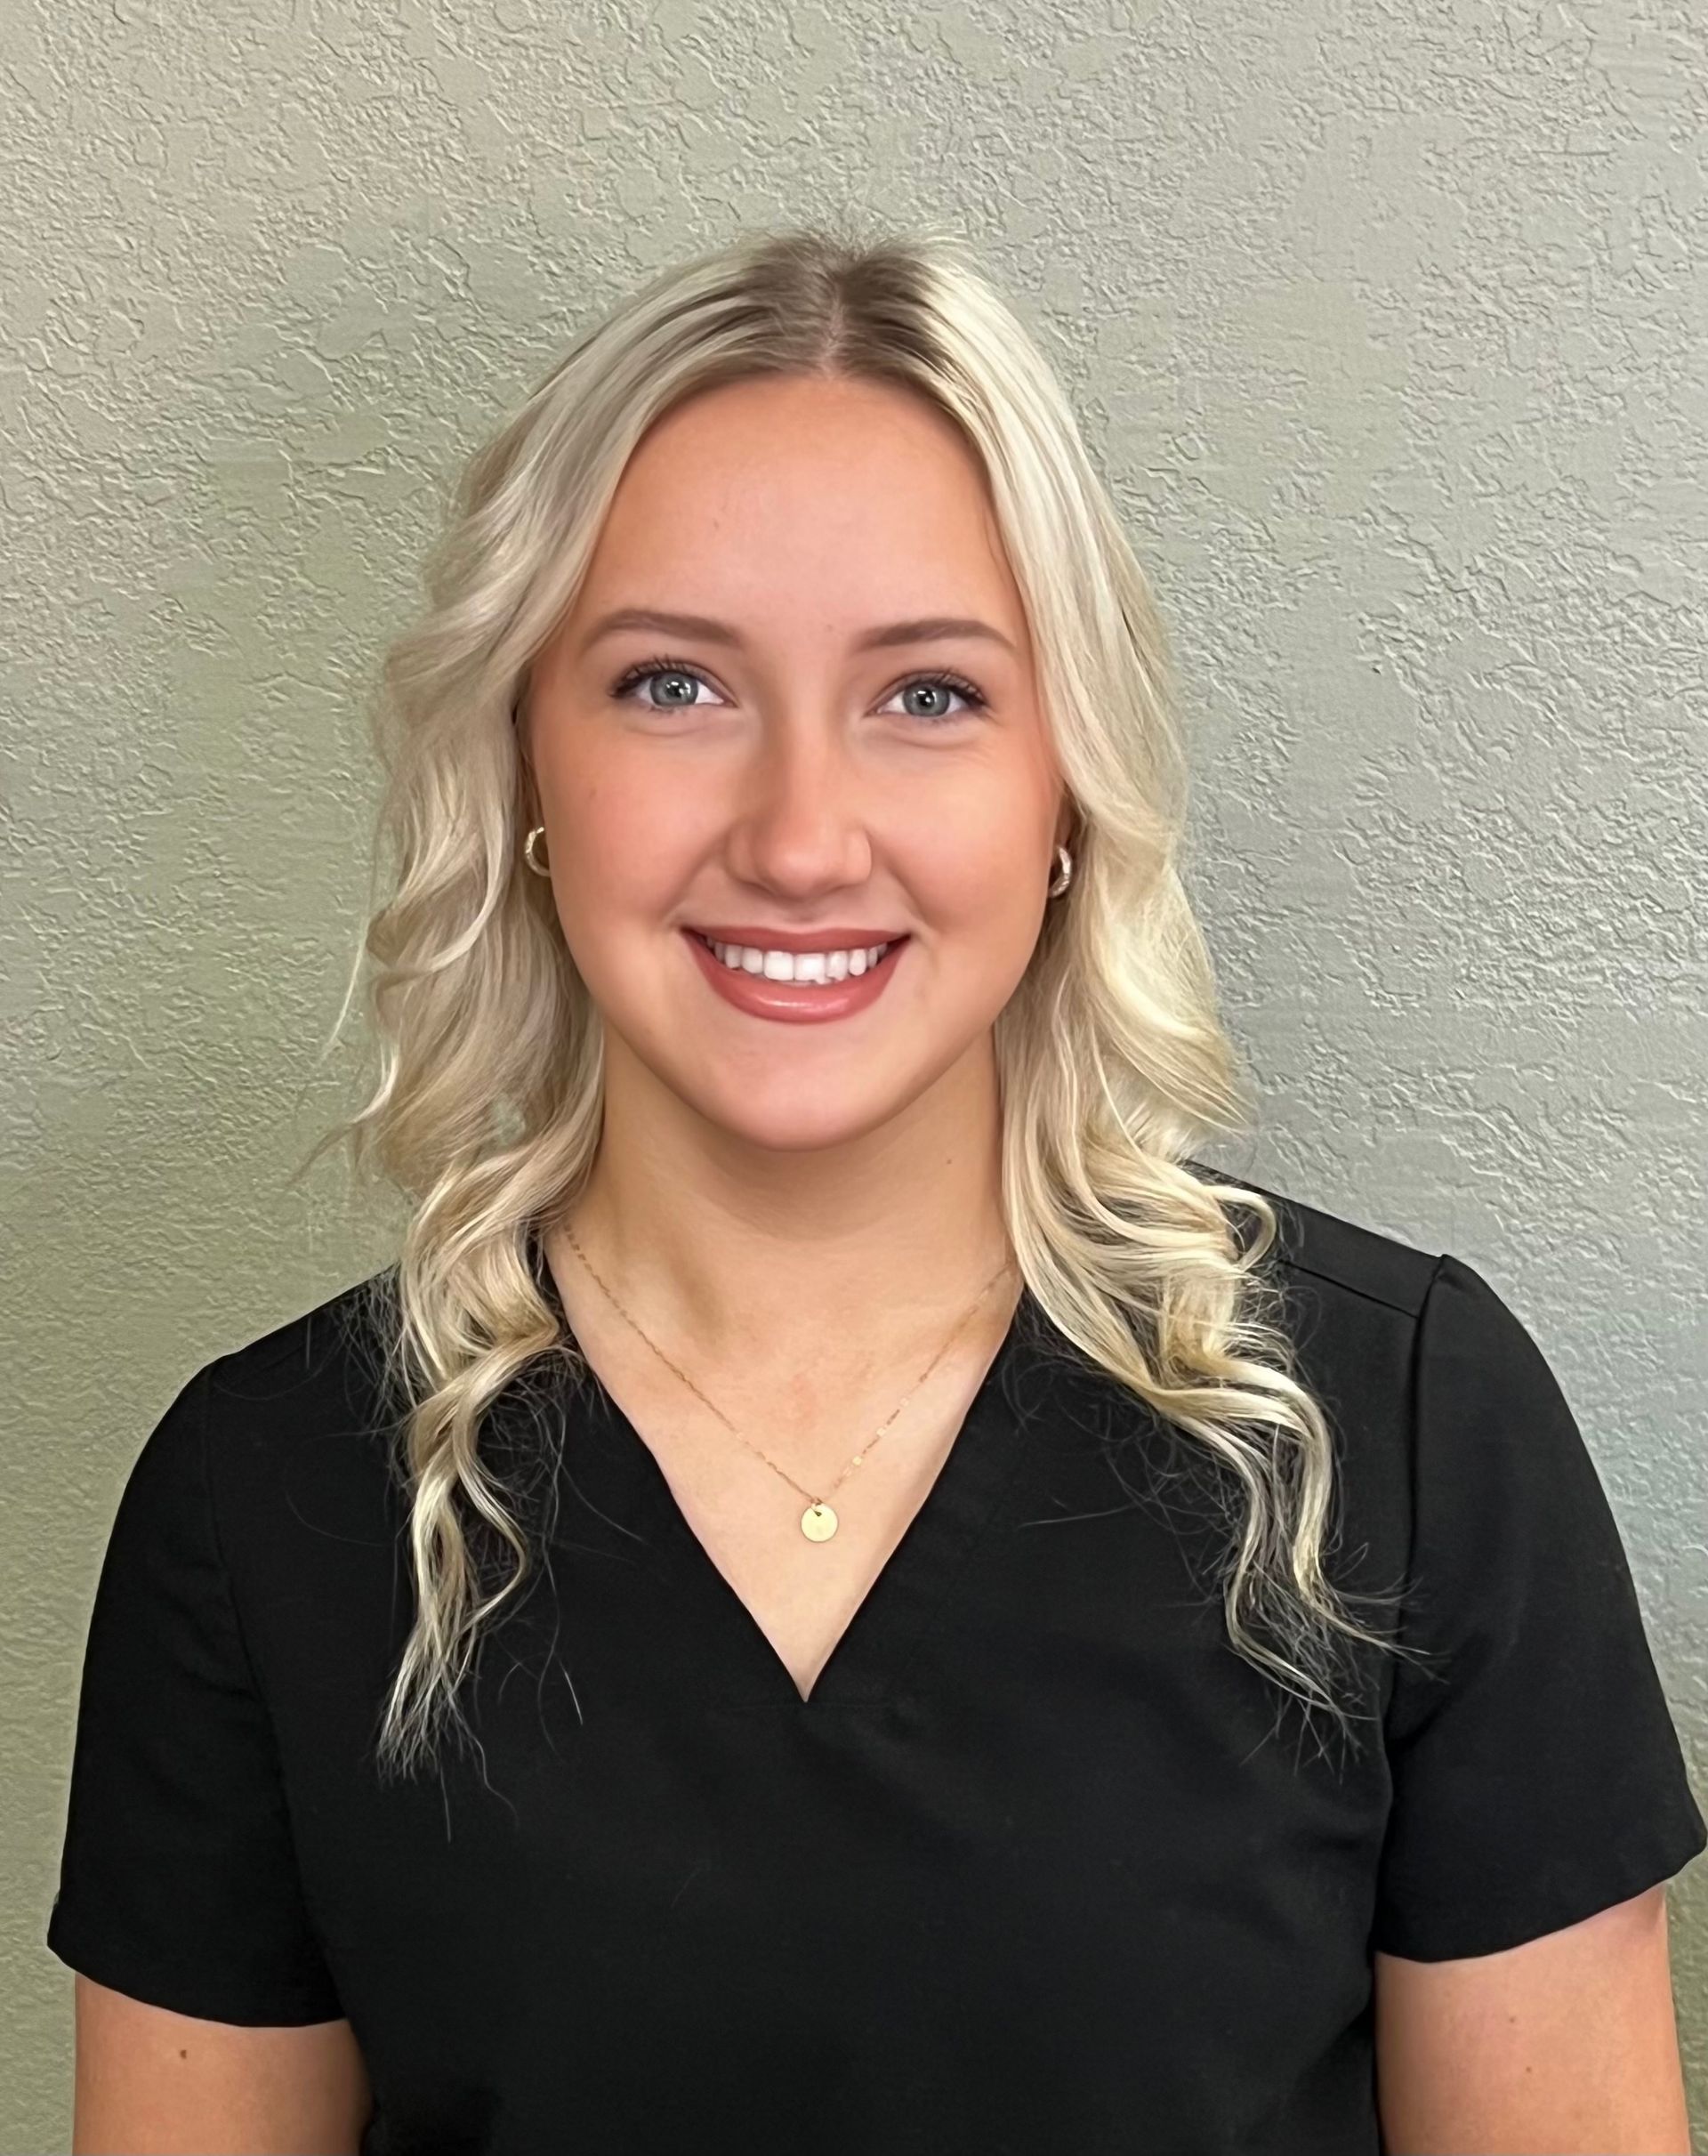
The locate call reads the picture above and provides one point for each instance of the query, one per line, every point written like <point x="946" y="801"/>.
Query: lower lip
<point x="806" y="1004"/>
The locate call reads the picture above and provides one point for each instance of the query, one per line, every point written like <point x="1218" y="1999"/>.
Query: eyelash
<point x="939" y="679"/>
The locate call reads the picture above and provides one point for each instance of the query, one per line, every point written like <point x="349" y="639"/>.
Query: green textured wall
<point x="1386" y="324"/>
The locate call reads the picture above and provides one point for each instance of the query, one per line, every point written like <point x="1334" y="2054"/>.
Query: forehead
<point x="860" y="495"/>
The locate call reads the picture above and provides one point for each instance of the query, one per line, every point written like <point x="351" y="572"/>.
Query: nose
<point x="801" y="812"/>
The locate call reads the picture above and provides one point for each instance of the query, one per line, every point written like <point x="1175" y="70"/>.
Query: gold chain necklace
<point x="818" y="1522"/>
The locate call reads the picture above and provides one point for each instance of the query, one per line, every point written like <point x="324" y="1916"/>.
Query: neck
<point x="744" y="1256"/>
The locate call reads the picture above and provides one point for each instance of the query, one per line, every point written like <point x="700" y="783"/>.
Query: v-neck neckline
<point x="911" y="1590"/>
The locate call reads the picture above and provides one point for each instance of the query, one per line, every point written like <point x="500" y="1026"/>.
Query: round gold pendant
<point x="818" y="1523"/>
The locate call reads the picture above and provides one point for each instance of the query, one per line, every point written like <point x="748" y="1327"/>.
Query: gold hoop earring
<point x="538" y="832"/>
<point x="1066" y="874"/>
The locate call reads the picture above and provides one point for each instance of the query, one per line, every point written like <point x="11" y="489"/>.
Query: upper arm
<point x="150" y="2082"/>
<point x="203" y="1987"/>
<point x="1566" y="2043"/>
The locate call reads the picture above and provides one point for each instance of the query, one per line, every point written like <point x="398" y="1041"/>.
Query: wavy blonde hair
<point x="1113" y="1065"/>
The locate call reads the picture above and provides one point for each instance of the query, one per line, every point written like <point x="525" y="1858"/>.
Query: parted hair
<point x="1114" y="1065"/>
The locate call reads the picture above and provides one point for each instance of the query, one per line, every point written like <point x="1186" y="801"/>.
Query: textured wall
<point x="1386" y="324"/>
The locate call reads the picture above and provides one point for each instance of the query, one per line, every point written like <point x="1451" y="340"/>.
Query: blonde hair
<point x="1113" y="1065"/>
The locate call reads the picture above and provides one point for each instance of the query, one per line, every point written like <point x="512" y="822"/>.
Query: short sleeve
<point x="177" y="1882"/>
<point x="1536" y="1774"/>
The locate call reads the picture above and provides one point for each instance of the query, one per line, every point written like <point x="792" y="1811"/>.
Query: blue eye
<point x="652" y="669"/>
<point x="676" y="669"/>
<point x="951" y="684"/>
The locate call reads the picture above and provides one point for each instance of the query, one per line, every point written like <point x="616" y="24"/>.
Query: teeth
<point x="818" y="967"/>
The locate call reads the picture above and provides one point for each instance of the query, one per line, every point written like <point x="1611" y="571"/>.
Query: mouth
<point x="763" y="982"/>
<point x="823" y="966"/>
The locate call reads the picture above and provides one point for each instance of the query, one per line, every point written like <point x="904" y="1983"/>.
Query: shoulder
<point x="1445" y="1398"/>
<point x="1348" y="1285"/>
<point x="1339" y="1262"/>
<point x="322" y="1367"/>
<point x="330" y="1358"/>
<point x="1403" y="1337"/>
<point x="301" y="1417"/>
<point x="1431" y="1382"/>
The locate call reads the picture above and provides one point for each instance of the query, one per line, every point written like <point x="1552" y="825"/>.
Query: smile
<point x="795" y="986"/>
<point x="820" y="966"/>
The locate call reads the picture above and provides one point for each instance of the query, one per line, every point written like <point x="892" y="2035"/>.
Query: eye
<point x="943" y="684"/>
<point x="677" y="671"/>
<point x="674" y="670"/>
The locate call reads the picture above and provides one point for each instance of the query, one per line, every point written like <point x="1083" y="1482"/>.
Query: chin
<point x="815" y="1130"/>
<point x="799" y="1114"/>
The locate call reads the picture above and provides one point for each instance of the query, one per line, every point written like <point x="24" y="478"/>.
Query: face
<point x="775" y="771"/>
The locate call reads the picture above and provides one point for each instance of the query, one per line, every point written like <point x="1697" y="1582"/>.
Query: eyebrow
<point x="928" y="628"/>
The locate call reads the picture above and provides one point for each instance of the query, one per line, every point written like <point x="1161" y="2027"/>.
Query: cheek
<point x="626" y="841"/>
<point x="974" y="869"/>
<point x="981" y="919"/>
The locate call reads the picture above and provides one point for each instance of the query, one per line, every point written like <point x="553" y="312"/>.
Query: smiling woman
<point x="794" y="786"/>
<point x="914" y="1486"/>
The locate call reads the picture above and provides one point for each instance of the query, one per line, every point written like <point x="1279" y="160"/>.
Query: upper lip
<point x="797" y="940"/>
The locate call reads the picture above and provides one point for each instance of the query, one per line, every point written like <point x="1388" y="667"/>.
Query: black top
<point x="1040" y="1865"/>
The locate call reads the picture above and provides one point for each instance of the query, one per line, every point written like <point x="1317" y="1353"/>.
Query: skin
<point x="800" y="789"/>
<point x="738" y="1154"/>
<point x="150" y="2082"/>
<point x="1567" y="2043"/>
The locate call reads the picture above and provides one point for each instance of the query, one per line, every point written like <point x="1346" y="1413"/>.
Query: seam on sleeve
<point x="310" y="1915"/>
<point x="217" y="1540"/>
<point x="1413" y="1433"/>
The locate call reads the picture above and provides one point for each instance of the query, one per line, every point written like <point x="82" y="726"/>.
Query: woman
<point x="855" y="1490"/>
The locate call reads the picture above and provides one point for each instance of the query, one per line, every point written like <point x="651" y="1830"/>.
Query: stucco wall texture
<point x="1386" y="326"/>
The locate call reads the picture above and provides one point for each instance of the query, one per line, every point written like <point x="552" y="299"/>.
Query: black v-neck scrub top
<point x="1038" y="1866"/>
